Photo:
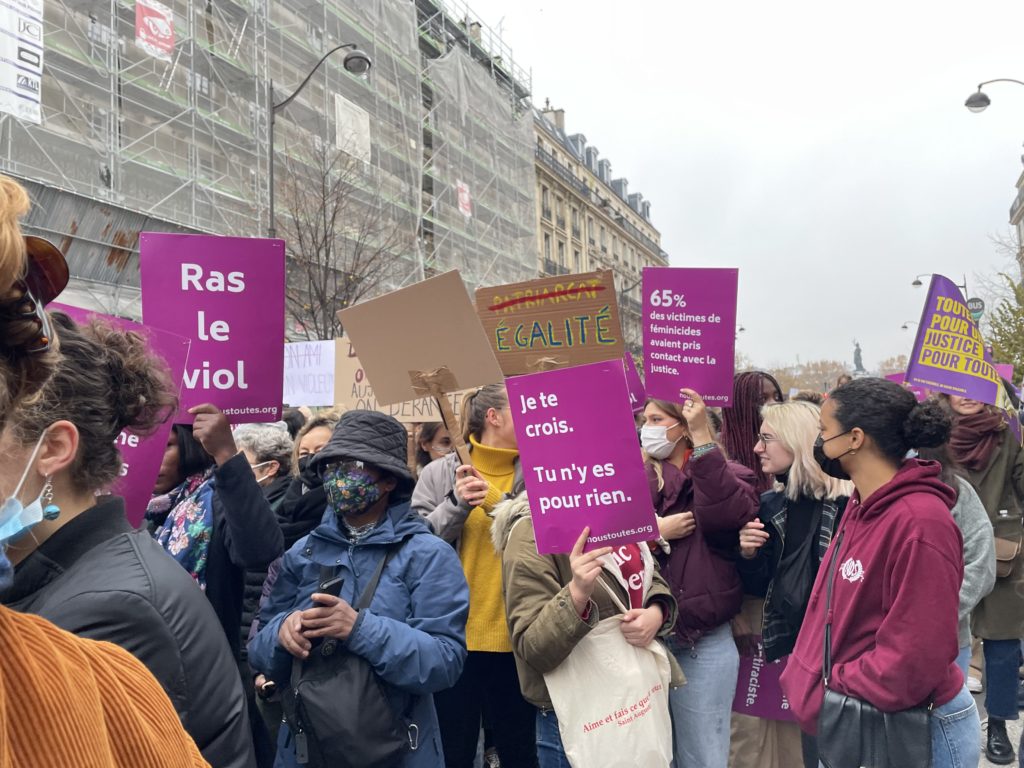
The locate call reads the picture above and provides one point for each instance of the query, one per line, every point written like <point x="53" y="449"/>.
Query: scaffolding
<point x="130" y="141"/>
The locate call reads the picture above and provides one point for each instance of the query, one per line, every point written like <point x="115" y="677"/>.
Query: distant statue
<point x="858" y="360"/>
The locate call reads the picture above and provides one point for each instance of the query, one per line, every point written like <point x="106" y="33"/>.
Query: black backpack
<point x="337" y="707"/>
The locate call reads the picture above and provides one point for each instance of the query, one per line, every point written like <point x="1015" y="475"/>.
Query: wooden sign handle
<point x="435" y="384"/>
<point x="452" y="425"/>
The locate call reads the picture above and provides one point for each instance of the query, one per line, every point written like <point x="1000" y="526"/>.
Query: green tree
<point x="1006" y="326"/>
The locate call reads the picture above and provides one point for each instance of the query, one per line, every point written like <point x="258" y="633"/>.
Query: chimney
<point x="556" y="116"/>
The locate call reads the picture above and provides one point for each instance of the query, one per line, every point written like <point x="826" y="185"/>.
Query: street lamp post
<point x="356" y="61"/>
<point x="979" y="100"/>
<point x="962" y="286"/>
<point x="907" y="323"/>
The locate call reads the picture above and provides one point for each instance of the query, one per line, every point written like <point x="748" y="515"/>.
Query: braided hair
<point x="742" y="421"/>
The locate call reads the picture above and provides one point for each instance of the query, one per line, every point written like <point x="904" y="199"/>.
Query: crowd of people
<point x="333" y="590"/>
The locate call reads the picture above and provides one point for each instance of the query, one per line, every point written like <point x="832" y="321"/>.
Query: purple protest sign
<point x="949" y="354"/>
<point x="901" y="378"/>
<point x="581" y="458"/>
<point x="758" y="687"/>
<point x="141" y="455"/>
<point x="637" y="395"/>
<point x="227" y="295"/>
<point x="690" y="332"/>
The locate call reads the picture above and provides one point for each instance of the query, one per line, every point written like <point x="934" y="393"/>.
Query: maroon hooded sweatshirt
<point x="895" y="600"/>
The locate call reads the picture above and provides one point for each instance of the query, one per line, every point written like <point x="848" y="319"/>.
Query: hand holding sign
<point x="212" y="430"/>
<point x="696" y="414"/>
<point x="586" y="569"/>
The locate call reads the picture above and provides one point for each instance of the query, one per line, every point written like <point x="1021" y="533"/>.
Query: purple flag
<point x="690" y="332"/>
<point x="581" y="458"/>
<point x="227" y="295"/>
<point x="141" y="454"/>
<point x="949" y="353"/>
<point x="900" y="378"/>
<point x="758" y="688"/>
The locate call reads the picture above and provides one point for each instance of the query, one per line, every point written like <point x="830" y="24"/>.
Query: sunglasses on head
<point x="46" y="277"/>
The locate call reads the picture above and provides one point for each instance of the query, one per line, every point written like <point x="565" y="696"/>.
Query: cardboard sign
<point x="227" y="295"/>
<point x="553" y="322"/>
<point x="309" y="373"/>
<point x="949" y="353"/>
<point x="580" y="470"/>
<point x="690" y="332"/>
<point x="637" y="394"/>
<point x="759" y="687"/>
<point x="141" y="455"/>
<point x="353" y="392"/>
<point x="420" y="329"/>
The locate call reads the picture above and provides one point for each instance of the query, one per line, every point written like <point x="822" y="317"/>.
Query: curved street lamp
<point x="979" y="100"/>
<point x="356" y="62"/>
<point x="906" y="325"/>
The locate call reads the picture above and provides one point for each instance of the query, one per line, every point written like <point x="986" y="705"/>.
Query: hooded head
<point x="375" y="439"/>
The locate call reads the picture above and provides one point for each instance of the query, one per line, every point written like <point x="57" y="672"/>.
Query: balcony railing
<point x="545" y="213"/>
<point x="560" y="222"/>
<point x="554" y="269"/>
<point x="576" y="232"/>
<point x="562" y="172"/>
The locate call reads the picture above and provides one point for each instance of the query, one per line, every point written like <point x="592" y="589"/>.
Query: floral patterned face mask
<point x="350" y="488"/>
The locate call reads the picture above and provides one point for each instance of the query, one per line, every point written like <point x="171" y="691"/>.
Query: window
<point x="545" y="203"/>
<point x="547" y="246"/>
<point x="561" y="253"/>
<point x="590" y="229"/>
<point x="576" y="261"/>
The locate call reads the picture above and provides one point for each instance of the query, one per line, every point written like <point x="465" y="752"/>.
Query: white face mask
<point x="15" y="517"/>
<point x="655" y="441"/>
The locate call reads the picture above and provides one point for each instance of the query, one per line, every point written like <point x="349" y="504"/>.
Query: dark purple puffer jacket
<point x="702" y="567"/>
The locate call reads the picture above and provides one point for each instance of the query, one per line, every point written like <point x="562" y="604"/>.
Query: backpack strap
<point x="367" y="597"/>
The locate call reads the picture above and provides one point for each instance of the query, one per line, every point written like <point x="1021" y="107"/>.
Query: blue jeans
<point x="956" y="733"/>
<point x="550" y="752"/>
<point x="1002" y="660"/>
<point x="702" y="709"/>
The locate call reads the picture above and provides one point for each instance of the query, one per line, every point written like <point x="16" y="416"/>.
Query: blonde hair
<point x="796" y="426"/>
<point x="14" y="204"/>
<point x="475" y="406"/>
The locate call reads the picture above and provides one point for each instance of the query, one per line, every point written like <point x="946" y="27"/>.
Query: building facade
<point x="137" y="137"/>
<point x="589" y="221"/>
<point x="1017" y="219"/>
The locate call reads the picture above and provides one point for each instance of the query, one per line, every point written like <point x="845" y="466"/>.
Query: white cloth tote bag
<point x="611" y="700"/>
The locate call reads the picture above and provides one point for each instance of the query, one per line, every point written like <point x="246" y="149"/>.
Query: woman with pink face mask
<point x="990" y="454"/>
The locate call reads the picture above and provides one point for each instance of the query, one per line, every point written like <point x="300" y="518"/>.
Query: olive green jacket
<point x="542" y="620"/>
<point x="1000" y="615"/>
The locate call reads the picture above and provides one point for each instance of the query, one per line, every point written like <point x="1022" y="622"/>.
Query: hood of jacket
<point x="915" y="476"/>
<point x="506" y="515"/>
<point x="399" y="523"/>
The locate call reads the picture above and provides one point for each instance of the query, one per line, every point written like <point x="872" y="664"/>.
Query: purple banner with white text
<point x="581" y="469"/>
<point x="141" y="455"/>
<point x="227" y="295"/>
<point x="759" y="687"/>
<point x="690" y="332"/>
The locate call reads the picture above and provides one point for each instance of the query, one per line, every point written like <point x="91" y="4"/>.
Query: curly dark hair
<point x="106" y="381"/>
<point x="891" y="416"/>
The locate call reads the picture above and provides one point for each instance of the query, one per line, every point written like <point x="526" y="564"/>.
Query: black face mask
<point x="831" y="467"/>
<point x="309" y="475"/>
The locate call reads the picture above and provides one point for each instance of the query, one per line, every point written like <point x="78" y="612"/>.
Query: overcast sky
<point x="822" y="148"/>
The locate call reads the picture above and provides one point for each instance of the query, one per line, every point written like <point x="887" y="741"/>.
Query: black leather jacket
<point x="98" y="578"/>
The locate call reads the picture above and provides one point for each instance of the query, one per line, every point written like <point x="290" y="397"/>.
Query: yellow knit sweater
<point x="68" y="702"/>
<point x="486" y="629"/>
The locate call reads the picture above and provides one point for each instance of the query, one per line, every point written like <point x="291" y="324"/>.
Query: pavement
<point x="1013" y="729"/>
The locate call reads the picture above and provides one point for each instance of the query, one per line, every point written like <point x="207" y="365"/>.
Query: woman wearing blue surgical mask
<point x="79" y="563"/>
<point x="412" y="631"/>
<point x="702" y="501"/>
<point x="432" y="443"/>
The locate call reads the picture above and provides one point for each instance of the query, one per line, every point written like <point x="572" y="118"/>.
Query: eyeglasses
<point x="764" y="439"/>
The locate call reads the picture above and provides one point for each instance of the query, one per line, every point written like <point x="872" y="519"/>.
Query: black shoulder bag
<point x="853" y="733"/>
<point x="337" y="707"/>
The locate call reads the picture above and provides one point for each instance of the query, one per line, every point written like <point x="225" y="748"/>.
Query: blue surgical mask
<point x="15" y="517"/>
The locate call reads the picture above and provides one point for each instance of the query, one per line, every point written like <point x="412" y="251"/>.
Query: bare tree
<point x="342" y="235"/>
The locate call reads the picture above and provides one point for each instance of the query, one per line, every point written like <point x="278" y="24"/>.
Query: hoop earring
<point x="50" y="511"/>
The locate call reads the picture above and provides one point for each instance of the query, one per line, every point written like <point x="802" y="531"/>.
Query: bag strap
<point x="615" y="598"/>
<point x="826" y="659"/>
<point x="367" y="597"/>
